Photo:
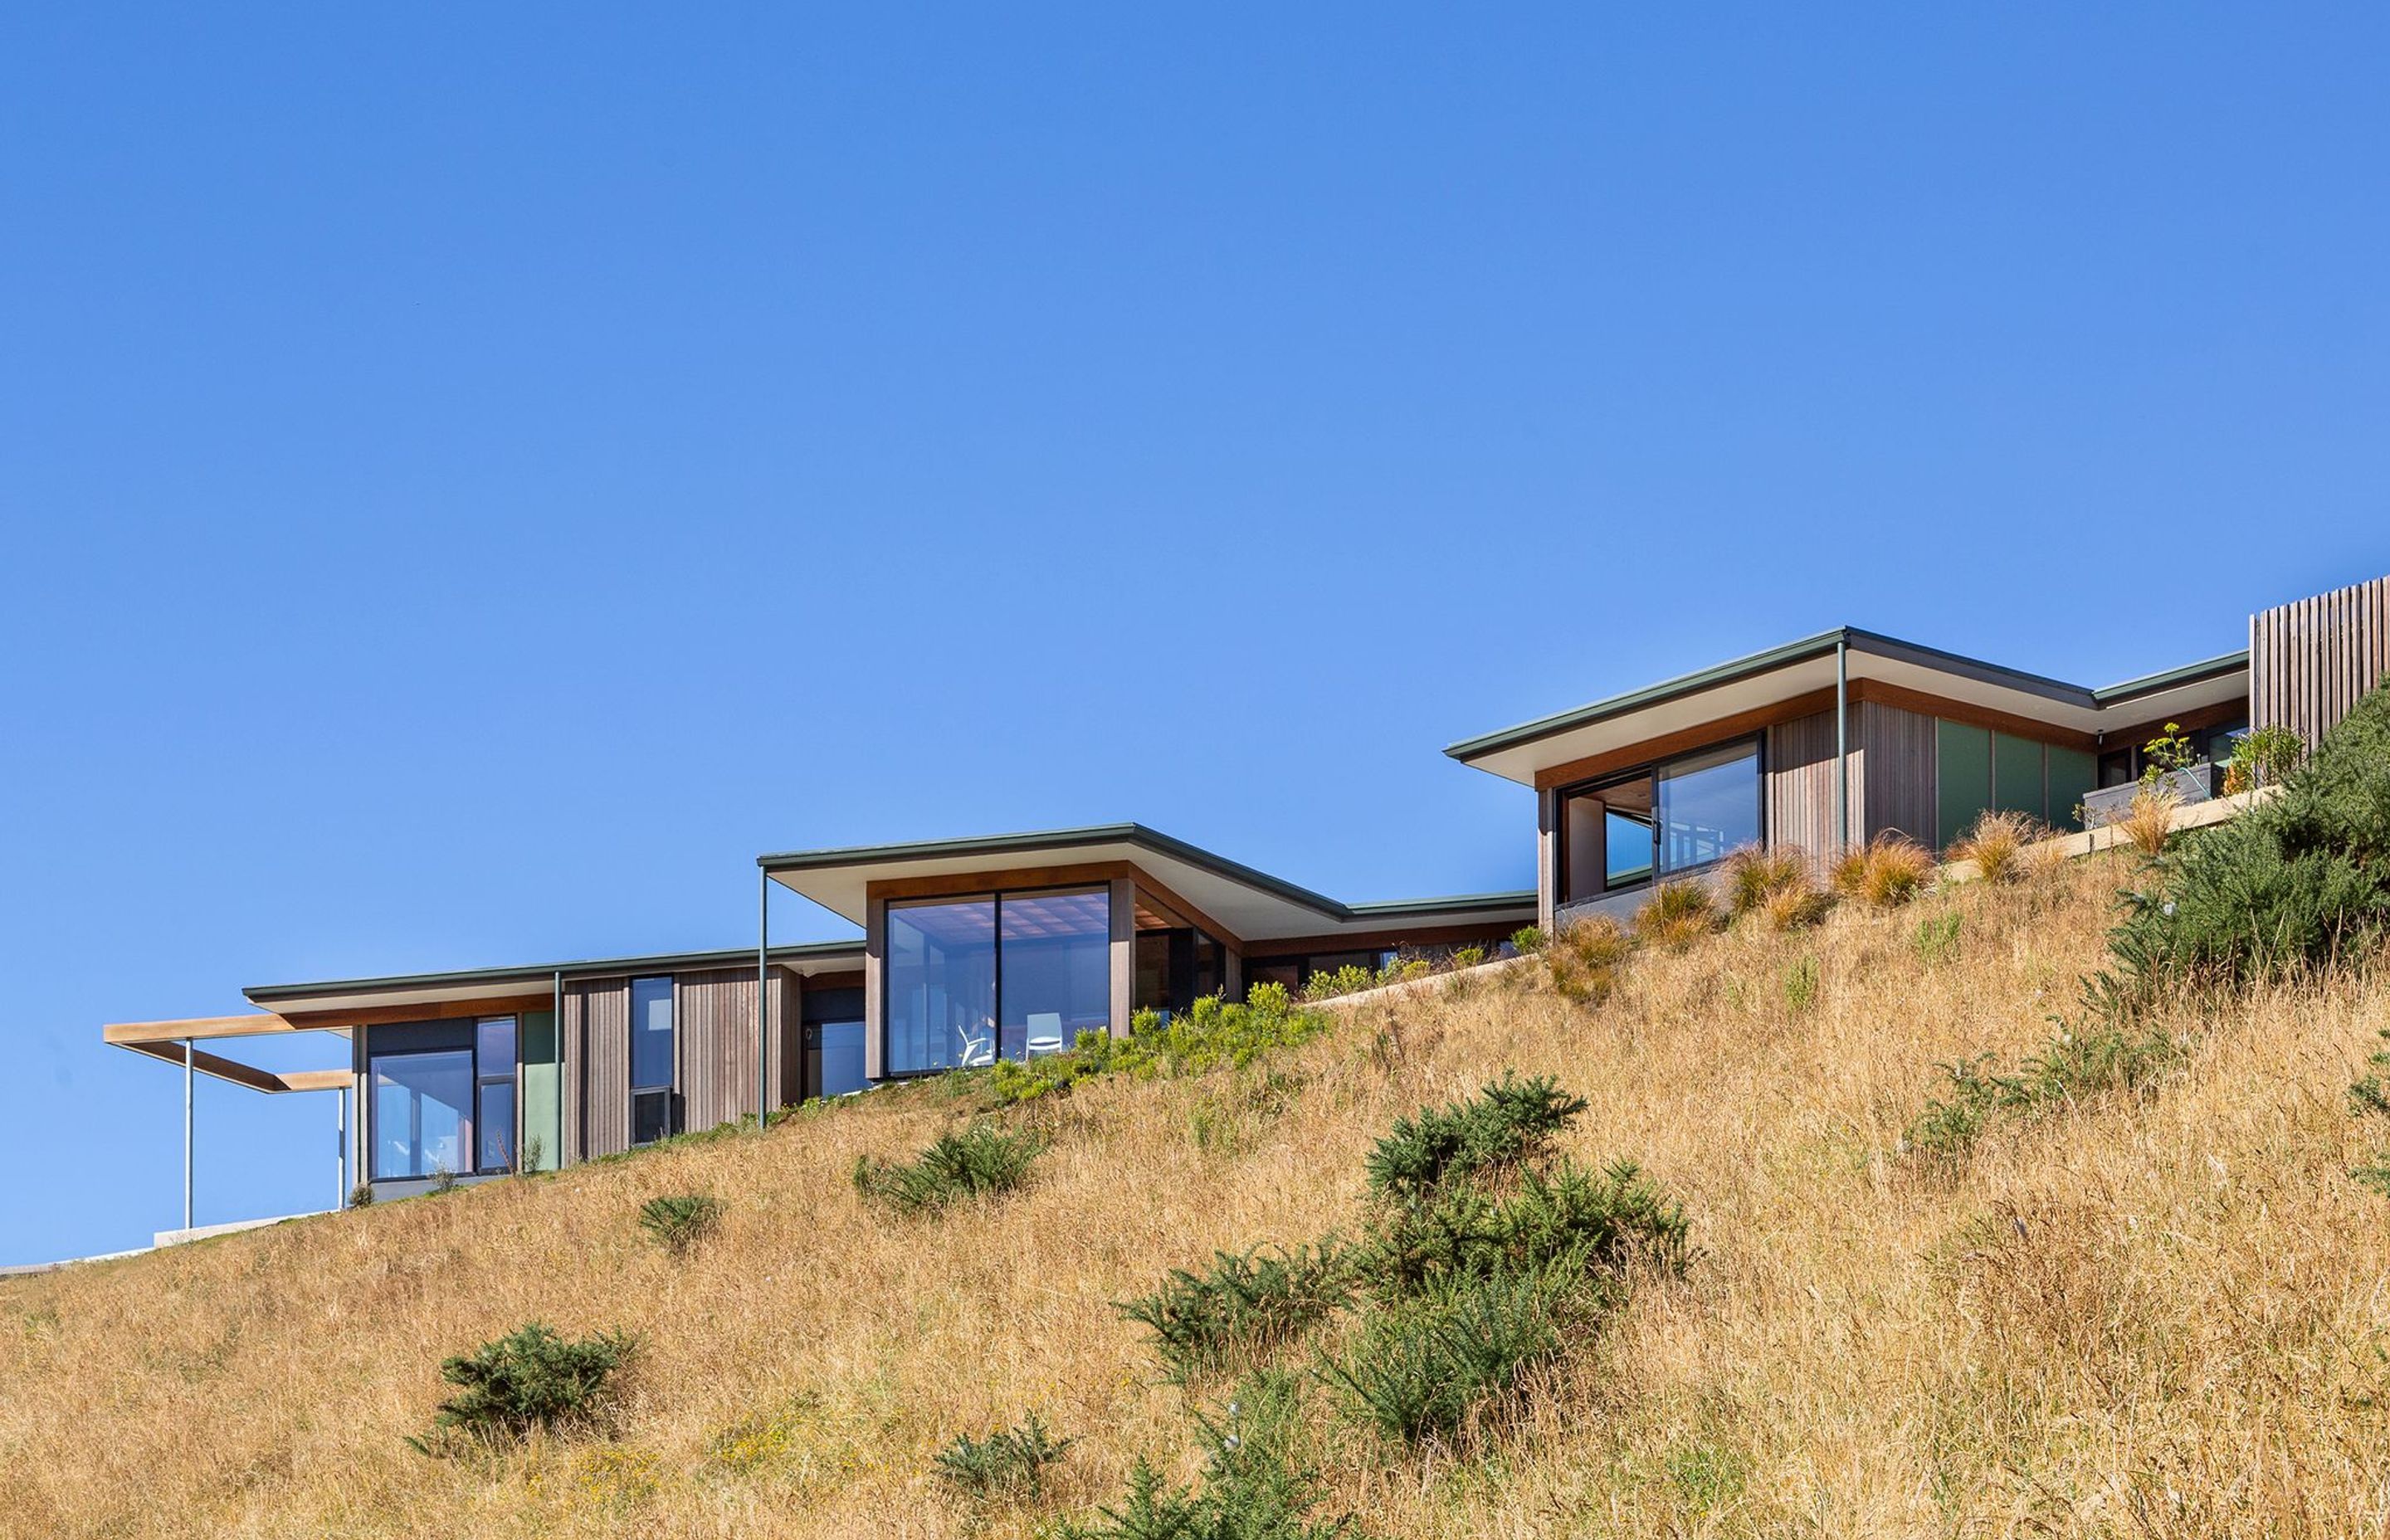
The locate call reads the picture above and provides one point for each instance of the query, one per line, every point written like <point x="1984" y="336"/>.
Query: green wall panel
<point x="1962" y="770"/>
<point x="2016" y="776"/>
<point x="2073" y="773"/>
<point x="543" y="1083"/>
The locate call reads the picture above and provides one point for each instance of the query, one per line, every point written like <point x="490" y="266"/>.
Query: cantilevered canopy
<point x="1252" y="906"/>
<point x="527" y="986"/>
<point x="1804" y="671"/>
<point x="166" y="1039"/>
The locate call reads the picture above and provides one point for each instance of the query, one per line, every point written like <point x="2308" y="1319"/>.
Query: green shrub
<point x="1467" y="957"/>
<point x="1257" y="1482"/>
<point x="982" y="1161"/>
<point x="1011" y="1462"/>
<point x="679" y="1222"/>
<point x="1508" y="1122"/>
<point x="1418" y="1369"/>
<point x="532" y="1379"/>
<point x="1241" y="1305"/>
<point x="361" y="1196"/>
<point x="2265" y="757"/>
<point x="2070" y="1068"/>
<point x="1527" y="940"/>
<point x="1937" y="937"/>
<point x="2298" y="883"/>
<point x="1213" y="1033"/>
<point x="1350" y="978"/>
<point x="1569" y="1225"/>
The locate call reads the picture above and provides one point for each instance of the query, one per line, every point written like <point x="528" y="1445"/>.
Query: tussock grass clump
<point x="1884" y="873"/>
<point x="2001" y="845"/>
<point x="982" y="1161"/>
<point x="1007" y="1463"/>
<point x="1751" y="875"/>
<point x="2149" y="822"/>
<point x="532" y="1379"/>
<point x="678" y="1221"/>
<point x="1508" y="1122"/>
<point x="1583" y="960"/>
<point x="1676" y="914"/>
<point x="1242" y="1306"/>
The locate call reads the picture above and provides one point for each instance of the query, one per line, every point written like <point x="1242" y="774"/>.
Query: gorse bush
<point x="677" y="1223"/>
<point x="1211" y="1034"/>
<point x="1508" y="1122"/>
<point x="1419" y="1369"/>
<point x="1241" y="1305"/>
<point x="982" y="1161"/>
<point x="532" y="1379"/>
<point x="1011" y="1462"/>
<point x="1569" y="1224"/>
<point x="2072" y="1067"/>
<point x="1256" y="1482"/>
<point x="2293" y="885"/>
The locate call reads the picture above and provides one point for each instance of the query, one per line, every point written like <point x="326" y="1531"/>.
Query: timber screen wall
<point x="2310" y="662"/>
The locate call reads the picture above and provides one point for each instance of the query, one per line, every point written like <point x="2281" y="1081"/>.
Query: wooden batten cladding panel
<point x="2311" y="661"/>
<point x="1891" y="773"/>
<point x="714" y="1032"/>
<point x="598" y="1040"/>
<point x="1800" y="760"/>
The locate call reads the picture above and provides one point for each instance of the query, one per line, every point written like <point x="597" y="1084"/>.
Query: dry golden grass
<point x="2005" y="846"/>
<point x="1887" y="871"/>
<point x="2163" y="1316"/>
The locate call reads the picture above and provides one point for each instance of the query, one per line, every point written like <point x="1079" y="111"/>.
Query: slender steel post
<point x="763" y="988"/>
<point x="340" y="1147"/>
<point x="187" y="1132"/>
<point x="1842" y="744"/>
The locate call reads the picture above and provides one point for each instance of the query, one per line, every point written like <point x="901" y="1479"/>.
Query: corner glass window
<point x="1708" y="805"/>
<point x="651" y="1059"/>
<point x="422" y="1108"/>
<point x="1010" y="975"/>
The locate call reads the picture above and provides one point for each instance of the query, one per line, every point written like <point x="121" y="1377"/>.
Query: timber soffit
<point x="1138" y="835"/>
<point x="1822" y="645"/>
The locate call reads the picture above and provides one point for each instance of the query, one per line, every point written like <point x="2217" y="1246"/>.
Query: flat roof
<point x="1252" y="904"/>
<point x="528" y="978"/>
<point x="1799" y="666"/>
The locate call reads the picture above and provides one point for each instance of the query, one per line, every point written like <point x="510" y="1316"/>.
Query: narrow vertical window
<point x="494" y="1093"/>
<point x="651" y="1059"/>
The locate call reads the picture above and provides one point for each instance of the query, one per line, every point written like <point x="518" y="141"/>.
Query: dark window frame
<point x="995" y="898"/>
<point x="669" y="1090"/>
<point x="483" y="1079"/>
<point x="1648" y="769"/>
<point x="468" y="1118"/>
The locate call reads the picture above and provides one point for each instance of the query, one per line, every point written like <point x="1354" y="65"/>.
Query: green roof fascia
<point x="1053" y="839"/>
<point x="1823" y="644"/>
<point x="665" y="962"/>
<point x="1403" y="908"/>
<point x="2189" y="673"/>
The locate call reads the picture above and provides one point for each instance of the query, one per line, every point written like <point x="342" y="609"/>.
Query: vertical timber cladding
<point x="2310" y="661"/>
<point x="597" y="1064"/>
<point x="1895" y="775"/>
<point x="713" y="1035"/>
<point x="1799" y="759"/>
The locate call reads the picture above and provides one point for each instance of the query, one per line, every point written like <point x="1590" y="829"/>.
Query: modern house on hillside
<point x="967" y="951"/>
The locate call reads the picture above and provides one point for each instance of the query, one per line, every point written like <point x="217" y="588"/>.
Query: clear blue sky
<point x="473" y="477"/>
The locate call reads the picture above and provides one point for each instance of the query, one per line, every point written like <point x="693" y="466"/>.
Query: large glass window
<point x="1708" y="805"/>
<point x="651" y="1059"/>
<point x="833" y="1041"/>
<point x="422" y="1107"/>
<point x="1678" y="816"/>
<point x="1013" y="974"/>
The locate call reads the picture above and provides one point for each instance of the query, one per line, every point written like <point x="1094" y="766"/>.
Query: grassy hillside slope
<point x="2154" y="1313"/>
